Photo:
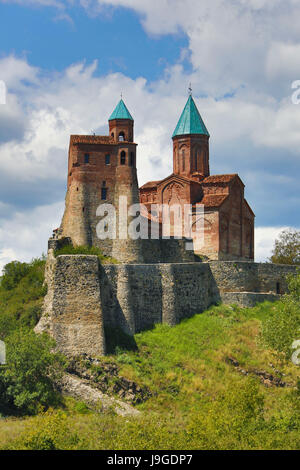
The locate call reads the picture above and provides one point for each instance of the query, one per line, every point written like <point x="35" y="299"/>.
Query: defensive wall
<point x="84" y="296"/>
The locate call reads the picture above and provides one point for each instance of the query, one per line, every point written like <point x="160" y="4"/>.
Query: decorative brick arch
<point x="176" y="159"/>
<point x="182" y="159"/>
<point x="172" y="191"/>
<point x="196" y="157"/>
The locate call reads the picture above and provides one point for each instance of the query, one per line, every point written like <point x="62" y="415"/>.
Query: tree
<point x="287" y="248"/>
<point x="12" y="274"/>
<point x="27" y="382"/>
<point x="282" y="327"/>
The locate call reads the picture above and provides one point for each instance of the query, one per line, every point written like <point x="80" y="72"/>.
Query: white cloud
<point x="283" y="60"/>
<point x="25" y="234"/>
<point x="248" y="47"/>
<point x="265" y="240"/>
<point x="41" y="3"/>
<point x="48" y="110"/>
<point x="43" y="110"/>
<point x="232" y="42"/>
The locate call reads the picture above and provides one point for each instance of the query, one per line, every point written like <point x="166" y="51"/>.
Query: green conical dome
<point x="190" y="121"/>
<point x="121" y="112"/>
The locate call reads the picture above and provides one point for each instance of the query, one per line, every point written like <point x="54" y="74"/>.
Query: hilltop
<point x="212" y="384"/>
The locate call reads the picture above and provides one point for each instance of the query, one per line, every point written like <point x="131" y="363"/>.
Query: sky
<point x="65" y="64"/>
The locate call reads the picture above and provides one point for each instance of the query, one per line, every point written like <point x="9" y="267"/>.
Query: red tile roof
<point x="91" y="139"/>
<point x="219" y="178"/>
<point x="150" y="184"/>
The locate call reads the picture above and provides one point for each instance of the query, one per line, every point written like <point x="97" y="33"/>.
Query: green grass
<point x="85" y="250"/>
<point x="198" y="401"/>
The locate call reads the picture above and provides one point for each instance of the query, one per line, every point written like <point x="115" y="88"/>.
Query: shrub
<point x="230" y="421"/>
<point x="287" y="248"/>
<point x="51" y="432"/>
<point x="27" y="381"/>
<point x="21" y="295"/>
<point x="85" y="250"/>
<point x="81" y="408"/>
<point x="12" y="274"/>
<point x="282" y="327"/>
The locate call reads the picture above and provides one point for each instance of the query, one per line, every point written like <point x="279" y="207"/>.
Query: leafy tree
<point x="12" y="274"/>
<point x="21" y="295"/>
<point x="27" y="382"/>
<point x="287" y="248"/>
<point x="283" y="326"/>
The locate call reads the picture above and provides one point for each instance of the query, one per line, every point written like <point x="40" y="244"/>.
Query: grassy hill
<point x="213" y="383"/>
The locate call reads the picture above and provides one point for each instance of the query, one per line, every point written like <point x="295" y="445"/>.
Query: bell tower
<point x="191" y="144"/>
<point x="121" y="124"/>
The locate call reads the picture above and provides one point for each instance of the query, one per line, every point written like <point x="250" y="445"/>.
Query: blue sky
<point x="65" y="64"/>
<point x="115" y="38"/>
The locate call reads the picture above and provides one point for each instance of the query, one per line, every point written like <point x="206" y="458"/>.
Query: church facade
<point x="228" y="219"/>
<point x="103" y="168"/>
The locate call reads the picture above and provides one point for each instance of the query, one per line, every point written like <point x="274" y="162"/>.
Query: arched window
<point x="103" y="194"/>
<point x="104" y="191"/>
<point x="86" y="158"/>
<point x="205" y="160"/>
<point x="123" y="158"/>
<point x="131" y="162"/>
<point x="121" y="136"/>
<point x="112" y="134"/>
<point x="107" y="159"/>
<point x="183" y="159"/>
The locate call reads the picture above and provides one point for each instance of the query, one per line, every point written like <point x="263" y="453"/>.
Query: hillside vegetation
<point x="21" y="295"/>
<point x="219" y="380"/>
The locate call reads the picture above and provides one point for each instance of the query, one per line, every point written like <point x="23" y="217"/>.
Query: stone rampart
<point x="84" y="296"/>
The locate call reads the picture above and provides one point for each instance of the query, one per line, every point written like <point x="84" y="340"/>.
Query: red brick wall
<point x="191" y="156"/>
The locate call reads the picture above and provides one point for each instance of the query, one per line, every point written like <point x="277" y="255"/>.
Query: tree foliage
<point x="287" y="248"/>
<point x="282" y="328"/>
<point x="27" y="381"/>
<point x="12" y="274"/>
<point x="21" y="295"/>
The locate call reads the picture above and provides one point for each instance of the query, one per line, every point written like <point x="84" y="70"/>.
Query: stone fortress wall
<point x="84" y="296"/>
<point x="158" y="280"/>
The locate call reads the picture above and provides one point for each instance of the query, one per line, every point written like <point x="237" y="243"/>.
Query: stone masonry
<point x="158" y="280"/>
<point x="84" y="296"/>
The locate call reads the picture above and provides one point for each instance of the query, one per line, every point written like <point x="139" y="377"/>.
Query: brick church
<point x="101" y="168"/>
<point x="228" y="218"/>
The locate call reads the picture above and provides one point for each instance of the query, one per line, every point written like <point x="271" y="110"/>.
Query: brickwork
<point x="228" y="219"/>
<point x="101" y="169"/>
